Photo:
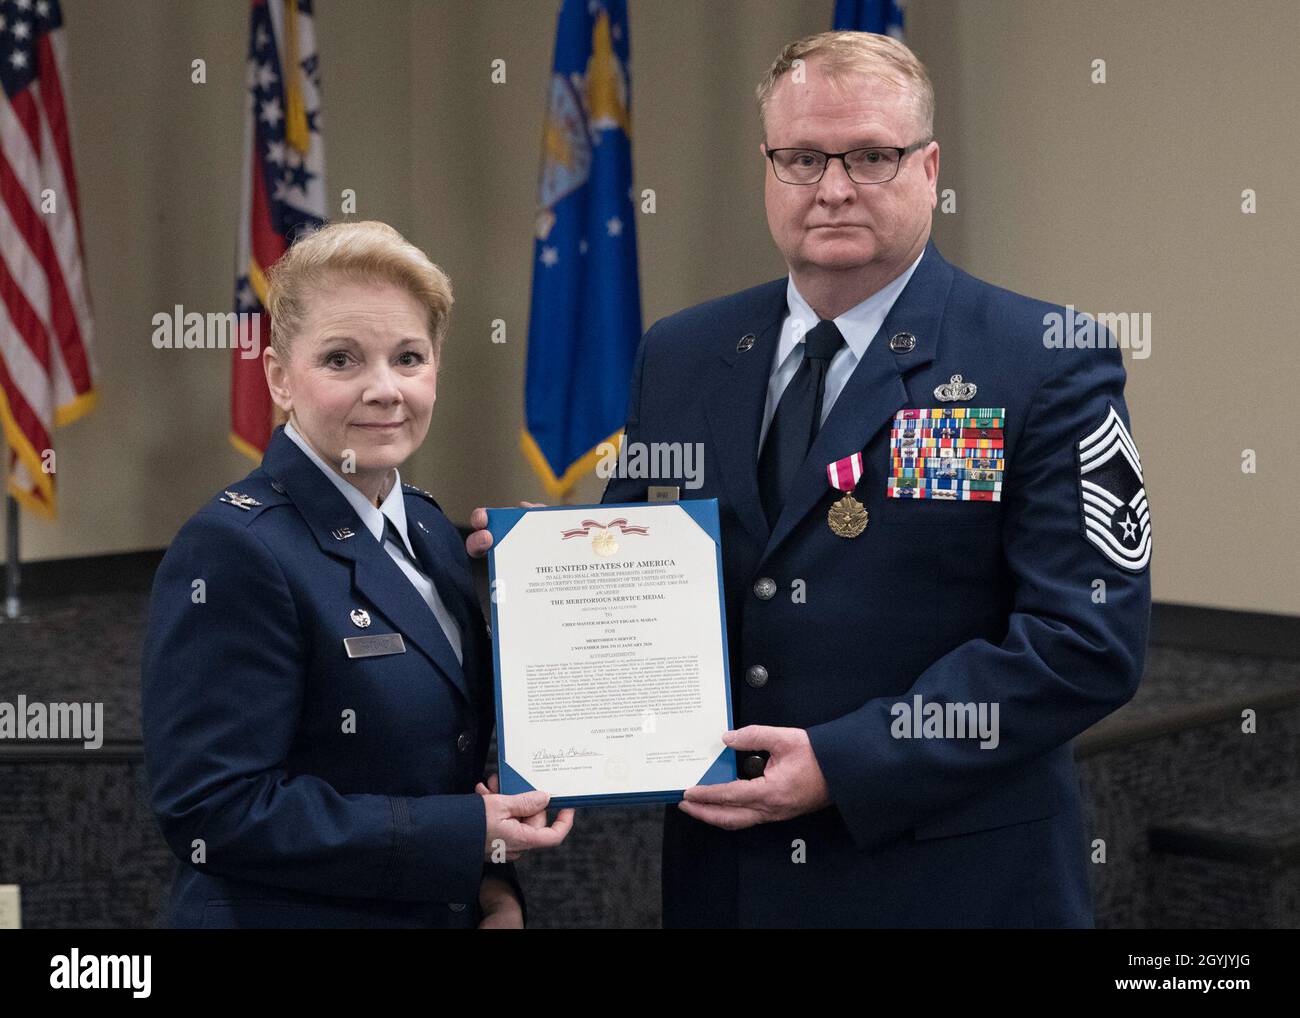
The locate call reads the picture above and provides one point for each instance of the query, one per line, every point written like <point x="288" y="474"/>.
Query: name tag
<point x="374" y="646"/>
<point x="663" y="493"/>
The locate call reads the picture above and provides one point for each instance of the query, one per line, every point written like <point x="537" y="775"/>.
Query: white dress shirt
<point x="372" y="517"/>
<point x="858" y="325"/>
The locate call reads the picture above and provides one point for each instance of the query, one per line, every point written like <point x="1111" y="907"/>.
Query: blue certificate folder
<point x="705" y="514"/>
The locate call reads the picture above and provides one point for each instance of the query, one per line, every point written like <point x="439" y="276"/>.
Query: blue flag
<point x="585" y="320"/>
<point x="883" y="17"/>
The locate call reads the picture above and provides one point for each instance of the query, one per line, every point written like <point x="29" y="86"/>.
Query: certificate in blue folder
<point x="609" y="646"/>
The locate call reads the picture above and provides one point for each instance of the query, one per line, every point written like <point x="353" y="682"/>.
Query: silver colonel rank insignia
<point x="1114" y="502"/>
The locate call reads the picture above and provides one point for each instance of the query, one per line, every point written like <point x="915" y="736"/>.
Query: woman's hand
<point x="480" y="539"/>
<point x="493" y="786"/>
<point x="519" y="821"/>
<point x="501" y="910"/>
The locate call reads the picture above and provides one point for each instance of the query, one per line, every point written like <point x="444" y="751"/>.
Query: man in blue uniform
<point x="935" y="540"/>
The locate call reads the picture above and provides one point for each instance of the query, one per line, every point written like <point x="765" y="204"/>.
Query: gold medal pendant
<point x="847" y="517"/>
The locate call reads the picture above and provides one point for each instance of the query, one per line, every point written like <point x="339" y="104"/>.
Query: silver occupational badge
<point x="954" y="389"/>
<point x="360" y="618"/>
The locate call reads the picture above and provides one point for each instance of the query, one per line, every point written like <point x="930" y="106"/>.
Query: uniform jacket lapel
<point x="875" y="391"/>
<point x="735" y="406"/>
<point x="374" y="574"/>
<point x="456" y="593"/>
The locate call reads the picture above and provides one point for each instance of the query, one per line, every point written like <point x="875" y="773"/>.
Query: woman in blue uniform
<point x="317" y="696"/>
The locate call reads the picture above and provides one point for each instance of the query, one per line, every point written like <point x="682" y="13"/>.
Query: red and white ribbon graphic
<point x="589" y="525"/>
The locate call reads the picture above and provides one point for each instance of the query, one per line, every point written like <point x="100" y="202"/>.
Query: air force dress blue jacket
<point x="300" y="786"/>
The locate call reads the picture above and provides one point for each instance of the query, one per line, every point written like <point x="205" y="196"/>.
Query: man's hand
<point x="480" y="539"/>
<point x="792" y="783"/>
<point x="501" y="910"/>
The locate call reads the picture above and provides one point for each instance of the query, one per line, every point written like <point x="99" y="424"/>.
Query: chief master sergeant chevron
<point x="903" y="547"/>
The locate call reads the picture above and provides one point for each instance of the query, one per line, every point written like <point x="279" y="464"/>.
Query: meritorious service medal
<point x="847" y="516"/>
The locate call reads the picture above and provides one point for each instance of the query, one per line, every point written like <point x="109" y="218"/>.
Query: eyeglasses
<point x="876" y="165"/>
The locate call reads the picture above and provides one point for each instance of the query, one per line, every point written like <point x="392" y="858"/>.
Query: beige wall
<point x="1116" y="197"/>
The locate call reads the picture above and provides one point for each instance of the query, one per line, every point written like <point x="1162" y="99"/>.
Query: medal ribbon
<point x="844" y="474"/>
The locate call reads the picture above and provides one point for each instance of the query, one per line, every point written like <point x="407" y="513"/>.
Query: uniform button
<point x="751" y="765"/>
<point x="457" y="906"/>
<point x="765" y="588"/>
<point x="463" y="742"/>
<point x="756" y="676"/>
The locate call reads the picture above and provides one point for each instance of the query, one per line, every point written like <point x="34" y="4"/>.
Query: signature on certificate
<point x="544" y="755"/>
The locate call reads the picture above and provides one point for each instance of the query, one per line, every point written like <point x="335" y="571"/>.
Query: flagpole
<point x="12" y="606"/>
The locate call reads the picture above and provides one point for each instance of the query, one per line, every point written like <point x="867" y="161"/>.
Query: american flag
<point x="47" y="366"/>
<point x="283" y="190"/>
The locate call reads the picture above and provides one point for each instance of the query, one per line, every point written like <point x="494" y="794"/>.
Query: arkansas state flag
<point x="283" y="189"/>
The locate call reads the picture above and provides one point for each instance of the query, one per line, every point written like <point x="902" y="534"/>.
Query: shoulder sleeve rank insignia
<point x="1116" y="519"/>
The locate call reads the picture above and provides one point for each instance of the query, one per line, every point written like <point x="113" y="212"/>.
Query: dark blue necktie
<point x="446" y="593"/>
<point x="391" y="533"/>
<point x="797" y="419"/>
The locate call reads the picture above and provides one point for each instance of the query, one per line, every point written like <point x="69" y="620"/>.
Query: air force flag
<point x="585" y="320"/>
<point x="882" y="16"/>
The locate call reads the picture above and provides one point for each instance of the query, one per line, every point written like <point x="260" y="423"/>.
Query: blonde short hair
<point x="367" y="251"/>
<point x="841" y="54"/>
